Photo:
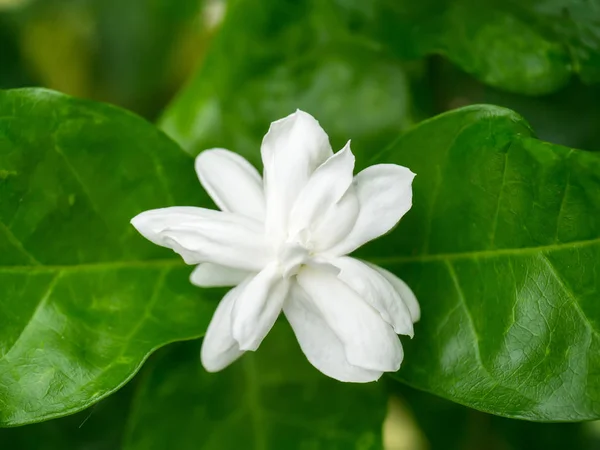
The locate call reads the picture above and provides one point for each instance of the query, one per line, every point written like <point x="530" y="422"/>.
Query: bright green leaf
<point x="271" y="400"/>
<point x="84" y="298"/>
<point x="502" y="248"/>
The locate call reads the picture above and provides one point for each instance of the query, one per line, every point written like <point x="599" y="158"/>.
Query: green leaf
<point x="273" y="399"/>
<point x="502" y="248"/>
<point x="84" y="298"/>
<point x="100" y="427"/>
<point x="530" y="47"/>
<point x="271" y="57"/>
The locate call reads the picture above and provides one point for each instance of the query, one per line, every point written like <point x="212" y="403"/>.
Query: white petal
<point x="258" y="307"/>
<point x="204" y="235"/>
<point x="319" y="343"/>
<point x="337" y="222"/>
<point x="384" y="194"/>
<point x="292" y="149"/>
<point x="219" y="348"/>
<point x="405" y="292"/>
<point x="214" y="275"/>
<point x="324" y="189"/>
<point x="151" y="223"/>
<point x="374" y="288"/>
<point x="232" y="182"/>
<point x="369" y="342"/>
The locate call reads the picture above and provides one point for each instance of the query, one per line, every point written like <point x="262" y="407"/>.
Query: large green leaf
<point x="273" y="399"/>
<point x="502" y="248"/>
<point x="271" y="57"/>
<point x="84" y="298"/>
<point x="524" y="46"/>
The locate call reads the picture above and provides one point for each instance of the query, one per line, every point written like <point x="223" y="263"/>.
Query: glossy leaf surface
<point x="84" y="298"/>
<point x="502" y="248"/>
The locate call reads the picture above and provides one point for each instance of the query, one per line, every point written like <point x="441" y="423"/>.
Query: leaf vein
<point x="463" y="303"/>
<point x="18" y="244"/>
<point x="488" y="253"/>
<point x="437" y="188"/>
<point x="146" y="314"/>
<point x="500" y="195"/>
<point x="81" y="183"/>
<point x="43" y="300"/>
<point x="94" y="266"/>
<point x="567" y="290"/>
<point x="562" y="204"/>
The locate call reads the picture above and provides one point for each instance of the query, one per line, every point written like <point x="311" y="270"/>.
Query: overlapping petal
<point x="319" y="342"/>
<point x="322" y="208"/>
<point x="337" y="222"/>
<point x="232" y="182"/>
<point x="405" y="292"/>
<point x="325" y="187"/>
<point x="219" y="348"/>
<point x="203" y="235"/>
<point x="376" y="290"/>
<point x="369" y="342"/>
<point x="292" y="149"/>
<point x="214" y="275"/>
<point x="384" y="195"/>
<point x="258" y="306"/>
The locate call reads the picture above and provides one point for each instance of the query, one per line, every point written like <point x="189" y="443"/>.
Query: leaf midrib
<point x="95" y="266"/>
<point x="487" y="253"/>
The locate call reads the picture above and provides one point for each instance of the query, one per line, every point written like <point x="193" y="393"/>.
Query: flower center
<point x="292" y="255"/>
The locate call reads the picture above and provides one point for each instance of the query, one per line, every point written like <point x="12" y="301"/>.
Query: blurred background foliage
<point x="134" y="53"/>
<point x="367" y="70"/>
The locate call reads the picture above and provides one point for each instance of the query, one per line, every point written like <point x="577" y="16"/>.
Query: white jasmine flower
<point x="282" y="240"/>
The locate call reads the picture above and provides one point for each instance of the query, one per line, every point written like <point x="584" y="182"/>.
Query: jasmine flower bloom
<point x="281" y="240"/>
